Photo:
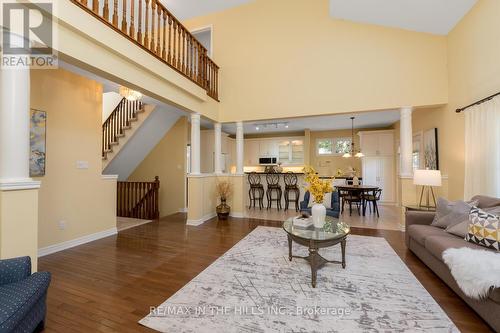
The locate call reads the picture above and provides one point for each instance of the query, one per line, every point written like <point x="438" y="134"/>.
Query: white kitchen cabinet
<point x="378" y="163"/>
<point x="251" y="152"/>
<point x="288" y="150"/>
<point x="379" y="171"/>
<point x="268" y="148"/>
<point x="291" y="151"/>
<point x="377" y="143"/>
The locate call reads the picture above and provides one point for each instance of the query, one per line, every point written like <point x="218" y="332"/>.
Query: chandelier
<point x="129" y="94"/>
<point x="353" y="152"/>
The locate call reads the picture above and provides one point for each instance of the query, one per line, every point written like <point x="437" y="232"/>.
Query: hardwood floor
<point x="109" y="284"/>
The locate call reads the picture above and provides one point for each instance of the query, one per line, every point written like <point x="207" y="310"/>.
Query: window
<point x="336" y="146"/>
<point x="342" y="145"/>
<point x="324" y="146"/>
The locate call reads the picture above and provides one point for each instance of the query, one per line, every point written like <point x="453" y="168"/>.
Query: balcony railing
<point x="151" y="26"/>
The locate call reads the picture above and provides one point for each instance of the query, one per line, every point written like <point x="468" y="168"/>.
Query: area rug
<point x="255" y="288"/>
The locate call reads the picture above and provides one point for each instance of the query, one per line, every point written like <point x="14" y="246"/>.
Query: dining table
<point x="358" y="190"/>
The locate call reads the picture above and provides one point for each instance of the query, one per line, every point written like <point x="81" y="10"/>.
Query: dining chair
<point x="370" y="199"/>
<point x="351" y="197"/>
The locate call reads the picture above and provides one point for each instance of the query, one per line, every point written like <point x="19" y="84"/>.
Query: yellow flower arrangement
<point x="317" y="187"/>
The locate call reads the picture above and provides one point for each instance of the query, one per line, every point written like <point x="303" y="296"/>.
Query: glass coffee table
<point x="333" y="232"/>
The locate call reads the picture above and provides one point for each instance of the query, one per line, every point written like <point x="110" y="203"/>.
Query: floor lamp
<point x="427" y="179"/>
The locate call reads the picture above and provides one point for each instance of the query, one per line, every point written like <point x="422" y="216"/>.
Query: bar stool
<point x="256" y="191"/>
<point x="291" y="181"/>
<point x="273" y="186"/>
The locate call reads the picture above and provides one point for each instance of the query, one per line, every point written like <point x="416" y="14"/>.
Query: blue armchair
<point x="333" y="212"/>
<point x="22" y="296"/>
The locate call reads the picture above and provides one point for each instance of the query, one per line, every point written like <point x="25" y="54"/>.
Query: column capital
<point x="239" y="124"/>
<point x="406" y="110"/>
<point x="217" y="126"/>
<point x="195" y="117"/>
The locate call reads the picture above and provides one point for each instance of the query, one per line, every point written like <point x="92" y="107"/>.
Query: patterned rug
<point x="255" y="288"/>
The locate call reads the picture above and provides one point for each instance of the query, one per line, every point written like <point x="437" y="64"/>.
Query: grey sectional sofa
<point x="428" y="243"/>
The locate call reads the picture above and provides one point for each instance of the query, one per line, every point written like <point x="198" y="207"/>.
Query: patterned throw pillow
<point x="483" y="229"/>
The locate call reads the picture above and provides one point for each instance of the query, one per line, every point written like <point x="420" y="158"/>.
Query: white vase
<point x="318" y="215"/>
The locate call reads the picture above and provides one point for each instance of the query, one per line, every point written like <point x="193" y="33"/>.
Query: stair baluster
<point x="119" y="120"/>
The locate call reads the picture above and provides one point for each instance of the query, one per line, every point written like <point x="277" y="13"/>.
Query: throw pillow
<point x="484" y="229"/>
<point x="450" y="213"/>
<point x="460" y="229"/>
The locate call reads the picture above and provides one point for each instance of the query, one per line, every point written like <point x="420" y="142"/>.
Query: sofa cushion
<point x="462" y="228"/>
<point x="420" y="232"/>
<point x="18" y="298"/>
<point x="484" y="229"/>
<point x="449" y="213"/>
<point x="495" y="295"/>
<point x="486" y="202"/>
<point x="437" y="244"/>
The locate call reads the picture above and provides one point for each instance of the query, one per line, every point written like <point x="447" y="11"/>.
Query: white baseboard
<point x="202" y="220"/>
<point x="237" y="215"/>
<point x="75" y="242"/>
<point x="183" y="210"/>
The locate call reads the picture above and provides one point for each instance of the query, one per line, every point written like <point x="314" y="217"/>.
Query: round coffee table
<point x="333" y="232"/>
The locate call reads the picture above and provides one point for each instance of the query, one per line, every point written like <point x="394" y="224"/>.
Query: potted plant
<point x="317" y="189"/>
<point x="223" y="189"/>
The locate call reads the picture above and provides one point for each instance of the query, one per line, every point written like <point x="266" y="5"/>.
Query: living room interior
<point x="250" y="165"/>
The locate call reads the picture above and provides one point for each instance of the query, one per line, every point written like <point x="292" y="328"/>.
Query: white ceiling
<point x="321" y="123"/>
<point x="433" y="16"/>
<point x="185" y="9"/>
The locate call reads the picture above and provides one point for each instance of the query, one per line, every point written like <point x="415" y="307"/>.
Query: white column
<point x="406" y="142"/>
<point x="218" y="148"/>
<point x="195" y="144"/>
<point x="14" y="124"/>
<point x="239" y="148"/>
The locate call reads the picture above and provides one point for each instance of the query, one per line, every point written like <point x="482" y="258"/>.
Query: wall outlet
<point x="61" y="225"/>
<point x="82" y="164"/>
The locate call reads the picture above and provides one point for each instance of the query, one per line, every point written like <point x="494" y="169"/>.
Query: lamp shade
<point x="427" y="177"/>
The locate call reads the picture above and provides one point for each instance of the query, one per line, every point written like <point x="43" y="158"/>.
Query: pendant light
<point x="353" y="152"/>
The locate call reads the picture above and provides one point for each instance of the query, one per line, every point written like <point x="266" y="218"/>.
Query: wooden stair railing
<point x="118" y="121"/>
<point x="148" y="24"/>
<point x="138" y="199"/>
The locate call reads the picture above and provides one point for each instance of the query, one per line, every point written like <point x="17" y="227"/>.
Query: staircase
<point x="151" y="26"/>
<point x="120" y="126"/>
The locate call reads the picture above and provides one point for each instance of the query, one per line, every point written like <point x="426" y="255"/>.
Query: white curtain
<point x="482" y="149"/>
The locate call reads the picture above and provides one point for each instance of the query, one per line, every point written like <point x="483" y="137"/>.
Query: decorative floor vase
<point x="318" y="215"/>
<point x="223" y="210"/>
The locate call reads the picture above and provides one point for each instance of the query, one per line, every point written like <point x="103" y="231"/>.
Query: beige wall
<point x="474" y="73"/>
<point x="168" y="161"/>
<point x="80" y="197"/>
<point x="203" y="198"/>
<point x="328" y="165"/>
<point x="19" y="224"/>
<point x="422" y="120"/>
<point x="285" y="58"/>
<point x="473" y="54"/>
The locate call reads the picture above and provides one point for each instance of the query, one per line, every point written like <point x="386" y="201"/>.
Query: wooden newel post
<point x="156" y="198"/>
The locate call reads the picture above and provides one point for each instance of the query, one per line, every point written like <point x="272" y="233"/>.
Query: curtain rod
<point x="478" y="102"/>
